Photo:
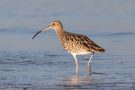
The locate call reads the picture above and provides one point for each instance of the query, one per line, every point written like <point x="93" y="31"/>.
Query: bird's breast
<point x="75" y="48"/>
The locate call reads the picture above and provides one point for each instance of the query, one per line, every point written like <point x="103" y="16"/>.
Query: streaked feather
<point x="76" y="43"/>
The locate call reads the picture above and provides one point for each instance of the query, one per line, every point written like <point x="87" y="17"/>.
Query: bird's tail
<point x="101" y="49"/>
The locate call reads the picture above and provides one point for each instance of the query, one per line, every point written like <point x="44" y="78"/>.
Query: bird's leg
<point x="89" y="69"/>
<point x="90" y="59"/>
<point x="76" y="63"/>
<point x="89" y="64"/>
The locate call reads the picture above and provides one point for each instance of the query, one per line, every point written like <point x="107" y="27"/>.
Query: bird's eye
<point x="53" y="23"/>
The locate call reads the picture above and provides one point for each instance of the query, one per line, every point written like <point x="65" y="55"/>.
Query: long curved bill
<point x="36" y="34"/>
<point x="40" y="32"/>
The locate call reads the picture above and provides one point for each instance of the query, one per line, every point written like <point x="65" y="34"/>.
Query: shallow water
<point x="42" y="64"/>
<point x="32" y="70"/>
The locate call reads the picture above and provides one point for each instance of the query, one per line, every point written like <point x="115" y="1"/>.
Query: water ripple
<point x="118" y="34"/>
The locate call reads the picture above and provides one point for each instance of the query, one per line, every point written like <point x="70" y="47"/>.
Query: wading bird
<point x="76" y="44"/>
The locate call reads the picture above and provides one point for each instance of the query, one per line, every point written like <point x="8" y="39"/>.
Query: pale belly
<point x="80" y="53"/>
<point x="75" y="49"/>
<point x="77" y="52"/>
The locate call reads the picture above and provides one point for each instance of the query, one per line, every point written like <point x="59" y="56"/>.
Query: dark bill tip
<point x="36" y="34"/>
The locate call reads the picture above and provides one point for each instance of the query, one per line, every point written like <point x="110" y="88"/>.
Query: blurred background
<point x="20" y="20"/>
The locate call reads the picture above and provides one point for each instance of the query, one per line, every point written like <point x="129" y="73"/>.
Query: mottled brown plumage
<point x="76" y="44"/>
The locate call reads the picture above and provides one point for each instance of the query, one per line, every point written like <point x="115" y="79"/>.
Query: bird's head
<point x="55" y="25"/>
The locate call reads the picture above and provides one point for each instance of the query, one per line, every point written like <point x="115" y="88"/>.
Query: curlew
<point x="75" y="44"/>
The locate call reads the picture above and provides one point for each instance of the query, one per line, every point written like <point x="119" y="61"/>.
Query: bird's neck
<point x="60" y="33"/>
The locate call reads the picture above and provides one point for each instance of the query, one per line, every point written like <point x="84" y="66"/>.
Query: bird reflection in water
<point x="79" y="80"/>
